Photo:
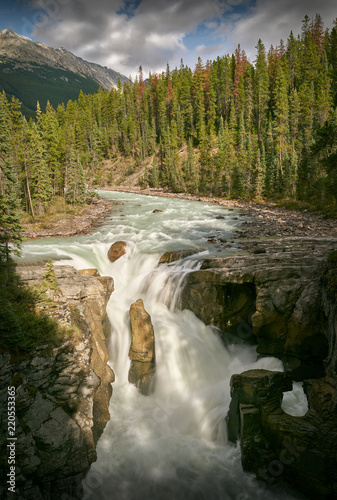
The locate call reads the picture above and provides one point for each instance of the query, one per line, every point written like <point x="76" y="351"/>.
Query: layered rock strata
<point x="62" y="394"/>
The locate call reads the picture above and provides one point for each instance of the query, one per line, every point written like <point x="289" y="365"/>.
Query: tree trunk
<point x="28" y="190"/>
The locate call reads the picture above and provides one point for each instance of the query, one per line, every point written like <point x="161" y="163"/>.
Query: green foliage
<point x="10" y="228"/>
<point x="333" y="258"/>
<point x="49" y="280"/>
<point x="23" y="324"/>
<point x="43" y="83"/>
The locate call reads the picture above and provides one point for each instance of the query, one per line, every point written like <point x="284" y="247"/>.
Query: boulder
<point x="116" y="250"/>
<point x="174" y="255"/>
<point x="142" y="349"/>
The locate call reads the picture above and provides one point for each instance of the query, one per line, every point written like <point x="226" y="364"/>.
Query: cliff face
<point x="270" y="295"/>
<point x="281" y="295"/>
<point x="329" y="306"/>
<point x="62" y="394"/>
<point x="275" y="445"/>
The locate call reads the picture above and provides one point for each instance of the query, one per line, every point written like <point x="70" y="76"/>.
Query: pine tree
<point x="40" y="181"/>
<point x="189" y="159"/>
<point x="332" y="59"/>
<point x="293" y="58"/>
<point x="50" y="132"/>
<point x="271" y="161"/>
<point x="226" y="159"/>
<point x="323" y="102"/>
<point x="294" y="114"/>
<point x="281" y="121"/>
<point x="260" y="174"/>
<point x="10" y="228"/>
<point x="75" y="186"/>
<point x="154" y="174"/>
<point x="199" y="101"/>
<point x="207" y="167"/>
<point x="261" y="87"/>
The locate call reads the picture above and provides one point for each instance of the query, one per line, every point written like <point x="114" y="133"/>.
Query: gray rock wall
<point x="62" y="394"/>
<point x="273" y="298"/>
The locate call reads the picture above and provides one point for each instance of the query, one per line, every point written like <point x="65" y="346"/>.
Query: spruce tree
<point x="261" y="87"/>
<point x="10" y="227"/>
<point x="154" y="173"/>
<point x="40" y="180"/>
<point x="281" y="121"/>
<point x="75" y="187"/>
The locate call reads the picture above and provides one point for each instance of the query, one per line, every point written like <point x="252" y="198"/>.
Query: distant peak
<point x="9" y="32"/>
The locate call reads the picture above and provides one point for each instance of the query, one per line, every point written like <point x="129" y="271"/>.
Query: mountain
<point x="31" y="72"/>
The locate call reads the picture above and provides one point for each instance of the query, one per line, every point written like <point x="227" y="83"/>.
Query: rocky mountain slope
<point x="31" y="71"/>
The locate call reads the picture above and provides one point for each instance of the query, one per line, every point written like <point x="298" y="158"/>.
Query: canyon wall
<point x="62" y="393"/>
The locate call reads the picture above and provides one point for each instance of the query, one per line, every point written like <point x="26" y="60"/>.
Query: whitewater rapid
<point x="171" y="445"/>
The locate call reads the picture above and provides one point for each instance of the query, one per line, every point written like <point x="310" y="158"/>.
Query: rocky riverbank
<point x="63" y="225"/>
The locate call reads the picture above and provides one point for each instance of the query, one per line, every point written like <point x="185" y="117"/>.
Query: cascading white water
<point x="171" y="444"/>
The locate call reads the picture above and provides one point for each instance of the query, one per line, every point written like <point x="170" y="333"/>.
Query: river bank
<point x="70" y="224"/>
<point x="266" y="220"/>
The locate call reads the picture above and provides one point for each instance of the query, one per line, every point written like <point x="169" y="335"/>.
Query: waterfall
<point x="171" y="445"/>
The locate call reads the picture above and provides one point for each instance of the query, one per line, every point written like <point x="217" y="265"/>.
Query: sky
<point x="123" y="34"/>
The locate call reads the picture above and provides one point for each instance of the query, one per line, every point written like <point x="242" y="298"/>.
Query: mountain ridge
<point x="25" y="64"/>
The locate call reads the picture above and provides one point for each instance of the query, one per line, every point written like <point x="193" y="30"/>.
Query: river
<point x="171" y="445"/>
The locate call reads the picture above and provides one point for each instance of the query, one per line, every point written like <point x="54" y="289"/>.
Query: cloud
<point x="206" y="50"/>
<point x="273" y="20"/>
<point x="102" y="31"/>
<point x="125" y="34"/>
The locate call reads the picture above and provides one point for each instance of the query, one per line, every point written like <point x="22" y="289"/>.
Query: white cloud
<point x="152" y="34"/>
<point x="208" y="50"/>
<point x="273" y="20"/>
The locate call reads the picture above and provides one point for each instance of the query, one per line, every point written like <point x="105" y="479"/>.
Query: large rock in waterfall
<point x="142" y="350"/>
<point x="116" y="250"/>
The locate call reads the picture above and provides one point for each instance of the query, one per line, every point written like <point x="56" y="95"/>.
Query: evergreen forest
<point x="229" y="128"/>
